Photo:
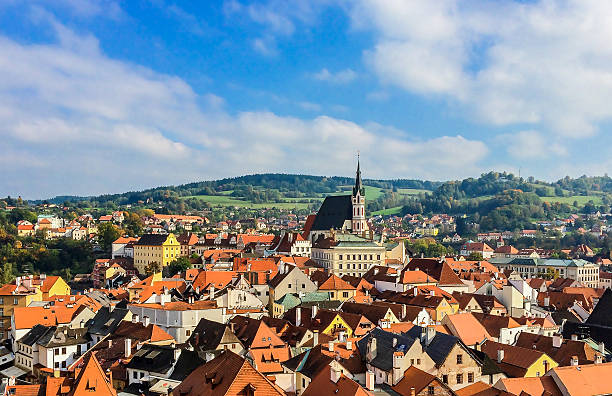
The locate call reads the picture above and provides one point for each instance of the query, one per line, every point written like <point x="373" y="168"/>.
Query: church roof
<point x="334" y="211"/>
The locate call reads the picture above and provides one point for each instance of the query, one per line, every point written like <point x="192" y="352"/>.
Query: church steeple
<point x="358" y="225"/>
<point x="358" y="185"/>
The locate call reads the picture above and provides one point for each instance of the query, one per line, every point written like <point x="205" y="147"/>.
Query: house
<point x="441" y="271"/>
<point x="517" y="361"/>
<point x="187" y="241"/>
<point x="151" y="362"/>
<point x="226" y="375"/>
<point x="52" y="347"/>
<point x="467" y="328"/>
<point x="265" y="348"/>
<point x="328" y="322"/>
<point x="291" y="244"/>
<point x="90" y="378"/>
<point x="388" y="355"/>
<point x="155" y="248"/>
<point x="177" y="318"/>
<point x="210" y="338"/>
<point x="332" y="382"/>
<point x="118" y="247"/>
<point x="337" y="288"/>
<point x="416" y="382"/>
<point x="563" y="351"/>
<point x="377" y="314"/>
<point x="343" y="358"/>
<point x="289" y="279"/>
<point x="476" y="247"/>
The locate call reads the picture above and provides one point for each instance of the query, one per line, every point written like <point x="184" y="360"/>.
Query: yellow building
<point x="155" y="248"/>
<point x="338" y="288"/>
<point x="517" y="361"/>
<point x="15" y="295"/>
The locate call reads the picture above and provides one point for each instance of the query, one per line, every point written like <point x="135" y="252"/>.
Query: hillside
<point x="491" y="199"/>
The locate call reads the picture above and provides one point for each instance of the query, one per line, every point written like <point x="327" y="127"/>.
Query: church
<point x="340" y="213"/>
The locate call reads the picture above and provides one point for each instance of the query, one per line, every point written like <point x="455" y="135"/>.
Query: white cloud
<point x="340" y="77"/>
<point x="95" y="124"/>
<point x="544" y="62"/>
<point x="531" y="144"/>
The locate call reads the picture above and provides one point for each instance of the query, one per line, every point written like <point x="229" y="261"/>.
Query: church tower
<point x="359" y="224"/>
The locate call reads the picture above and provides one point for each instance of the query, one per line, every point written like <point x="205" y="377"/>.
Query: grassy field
<point x="412" y="191"/>
<point x="222" y="200"/>
<point x="581" y="199"/>
<point x="388" y="211"/>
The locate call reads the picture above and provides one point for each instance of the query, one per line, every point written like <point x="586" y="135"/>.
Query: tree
<point x="475" y="256"/>
<point x="7" y="274"/>
<point x="177" y="266"/>
<point x="107" y="234"/>
<point x="152" y="268"/>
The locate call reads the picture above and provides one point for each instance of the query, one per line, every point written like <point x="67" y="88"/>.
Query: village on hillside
<point x="332" y="303"/>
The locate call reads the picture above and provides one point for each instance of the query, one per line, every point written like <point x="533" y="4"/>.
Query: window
<point x="187" y="333"/>
<point x="411" y="362"/>
<point x="1" y="300"/>
<point x="445" y="379"/>
<point x="15" y="301"/>
<point x="340" y="257"/>
<point x="303" y="285"/>
<point x="56" y="365"/>
<point x="460" y="359"/>
<point x="431" y="390"/>
<point x="289" y="286"/>
<point x="56" y="351"/>
<point x="378" y="257"/>
<point x="345" y="294"/>
<point x="141" y="374"/>
<point x="459" y="378"/>
<point x="470" y="377"/>
<point x="418" y="361"/>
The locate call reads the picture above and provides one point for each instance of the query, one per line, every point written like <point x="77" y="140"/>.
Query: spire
<point x="358" y="184"/>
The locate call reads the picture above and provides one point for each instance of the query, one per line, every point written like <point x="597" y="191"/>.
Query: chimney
<point x="212" y="293"/>
<point x="315" y="310"/>
<point x="177" y="353"/>
<point x="602" y="348"/>
<point x="546" y="301"/>
<point x="146" y="321"/>
<point x="315" y="338"/>
<point x="404" y="313"/>
<point x="330" y="346"/>
<point x="369" y="380"/>
<point x="298" y="316"/>
<point x="574" y="361"/>
<point x="342" y="336"/>
<point x="412" y="392"/>
<point x="128" y="347"/>
<point x="574" y="337"/>
<point x="349" y="345"/>
<point x="397" y="366"/>
<point x="598" y="358"/>
<point x="335" y="372"/>
<point x="135" y="318"/>
<point x="371" y="349"/>
<point x="500" y="355"/>
<point x="110" y="344"/>
<point x="557" y="341"/>
<point x="415" y="291"/>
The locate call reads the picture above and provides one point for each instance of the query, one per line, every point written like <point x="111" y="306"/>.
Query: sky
<point x="106" y="96"/>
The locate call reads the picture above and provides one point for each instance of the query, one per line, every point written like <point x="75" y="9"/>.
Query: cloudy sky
<point x="109" y="96"/>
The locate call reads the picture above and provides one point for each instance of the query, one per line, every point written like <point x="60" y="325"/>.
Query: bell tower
<point x="359" y="224"/>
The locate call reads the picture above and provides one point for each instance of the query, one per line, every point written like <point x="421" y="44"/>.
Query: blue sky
<point x="109" y="96"/>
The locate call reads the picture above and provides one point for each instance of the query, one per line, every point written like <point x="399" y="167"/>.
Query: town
<point x="334" y="302"/>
